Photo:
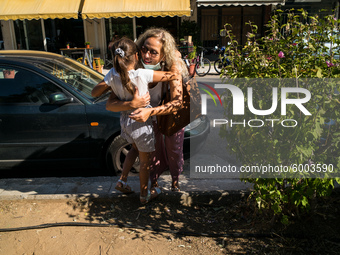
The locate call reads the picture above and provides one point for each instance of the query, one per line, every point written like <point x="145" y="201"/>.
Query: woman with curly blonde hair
<point x="169" y="48"/>
<point x="158" y="52"/>
<point x="158" y="48"/>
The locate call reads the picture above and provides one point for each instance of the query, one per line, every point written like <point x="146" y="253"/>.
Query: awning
<point x="39" y="9"/>
<point x="201" y="3"/>
<point x="135" y="8"/>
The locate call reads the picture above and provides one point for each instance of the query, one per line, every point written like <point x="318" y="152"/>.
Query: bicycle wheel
<point x="218" y="65"/>
<point x="202" y="70"/>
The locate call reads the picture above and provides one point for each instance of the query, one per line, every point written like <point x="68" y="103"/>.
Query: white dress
<point x="134" y="132"/>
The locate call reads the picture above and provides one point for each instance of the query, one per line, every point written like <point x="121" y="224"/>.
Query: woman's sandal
<point x="122" y="186"/>
<point x="150" y="196"/>
<point x="175" y="188"/>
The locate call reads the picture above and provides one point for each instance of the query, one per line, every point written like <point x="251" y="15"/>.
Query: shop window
<point x="60" y="32"/>
<point x="118" y="27"/>
<point x="29" y="34"/>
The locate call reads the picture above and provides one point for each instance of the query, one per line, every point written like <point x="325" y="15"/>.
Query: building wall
<point x="94" y="32"/>
<point x="8" y="35"/>
<point x="312" y="7"/>
<point x="193" y="7"/>
<point x="213" y="19"/>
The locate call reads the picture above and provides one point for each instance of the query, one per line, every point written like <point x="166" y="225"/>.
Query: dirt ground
<point x="80" y="226"/>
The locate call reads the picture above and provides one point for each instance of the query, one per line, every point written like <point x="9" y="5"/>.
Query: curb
<point x="194" y="191"/>
<point x="192" y="198"/>
<point x="104" y="187"/>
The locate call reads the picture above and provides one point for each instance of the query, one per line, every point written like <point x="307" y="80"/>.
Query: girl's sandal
<point x="123" y="187"/>
<point x="154" y="184"/>
<point x="150" y="196"/>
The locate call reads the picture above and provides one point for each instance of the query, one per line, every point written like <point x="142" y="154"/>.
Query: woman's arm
<point x="160" y="76"/>
<point x="176" y="92"/>
<point x="114" y="104"/>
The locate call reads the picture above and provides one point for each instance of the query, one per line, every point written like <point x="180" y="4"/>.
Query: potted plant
<point x="98" y="65"/>
<point x="102" y="65"/>
<point x="191" y="58"/>
<point x="67" y="46"/>
<point x="87" y="45"/>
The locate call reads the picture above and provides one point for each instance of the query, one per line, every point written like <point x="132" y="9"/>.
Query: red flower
<point x="329" y="64"/>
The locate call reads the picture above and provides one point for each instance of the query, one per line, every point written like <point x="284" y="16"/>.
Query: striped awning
<point x="201" y="3"/>
<point x="39" y="9"/>
<point x="135" y="8"/>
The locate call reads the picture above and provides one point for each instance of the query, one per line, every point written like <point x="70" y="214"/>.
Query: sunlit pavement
<point x="104" y="187"/>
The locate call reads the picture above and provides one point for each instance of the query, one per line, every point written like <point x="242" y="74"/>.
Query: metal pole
<point x="43" y="33"/>
<point x="110" y="29"/>
<point x="25" y="32"/>
<point x="134" y="28"/>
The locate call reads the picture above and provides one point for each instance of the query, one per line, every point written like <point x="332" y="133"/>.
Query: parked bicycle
<point x="202" y="65"/>
<point x="222" y="61"/>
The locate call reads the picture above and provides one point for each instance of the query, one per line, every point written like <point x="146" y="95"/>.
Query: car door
<point x="32" y="130"/>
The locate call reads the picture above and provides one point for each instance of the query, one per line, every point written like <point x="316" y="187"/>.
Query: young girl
<point x="124" y="81"/>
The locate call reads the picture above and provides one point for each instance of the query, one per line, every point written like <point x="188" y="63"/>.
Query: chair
<point x="108" y="63"/>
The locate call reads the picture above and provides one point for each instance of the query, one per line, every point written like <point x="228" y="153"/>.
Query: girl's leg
<point x="128" y="162"/>
<point x="127" y="165"/>
<point x="174" y="150"/>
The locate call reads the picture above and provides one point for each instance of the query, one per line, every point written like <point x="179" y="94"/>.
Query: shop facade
<point x="37" y="27"/>
<point x="212" y="15"/>
<point x="51" y="25"/>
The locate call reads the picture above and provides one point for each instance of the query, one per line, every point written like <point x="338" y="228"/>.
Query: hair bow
<point x="120" y="52"/>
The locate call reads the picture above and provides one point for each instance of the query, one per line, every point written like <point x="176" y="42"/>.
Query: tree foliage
<point x="301" y="52"/>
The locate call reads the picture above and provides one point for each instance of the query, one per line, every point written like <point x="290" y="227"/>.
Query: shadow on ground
<point x="230" y="219"/>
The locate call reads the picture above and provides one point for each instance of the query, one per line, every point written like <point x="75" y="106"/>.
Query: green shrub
<point x="294" y="50"/>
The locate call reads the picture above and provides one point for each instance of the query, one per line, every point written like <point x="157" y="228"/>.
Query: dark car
<point x="49" y="119"/>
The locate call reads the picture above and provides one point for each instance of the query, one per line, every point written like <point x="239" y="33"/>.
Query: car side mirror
<point x="60" y="98"/>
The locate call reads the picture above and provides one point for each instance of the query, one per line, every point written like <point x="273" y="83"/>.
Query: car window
<point x="78" y="76"/>
<point x="22" y="86"/>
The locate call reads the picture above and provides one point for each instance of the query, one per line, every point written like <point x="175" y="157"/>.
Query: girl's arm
<point x="100" y="89"/>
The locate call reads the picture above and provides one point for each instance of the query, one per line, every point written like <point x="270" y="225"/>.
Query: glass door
<point x="29" y="35"/>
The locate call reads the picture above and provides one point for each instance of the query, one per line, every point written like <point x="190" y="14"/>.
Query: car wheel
<point x="116" y="154"/>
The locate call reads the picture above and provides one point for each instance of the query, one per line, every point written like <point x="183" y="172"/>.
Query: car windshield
<point x="80" y="77"/>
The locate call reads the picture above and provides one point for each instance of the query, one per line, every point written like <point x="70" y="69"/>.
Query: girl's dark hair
<point x="124" y="51"/>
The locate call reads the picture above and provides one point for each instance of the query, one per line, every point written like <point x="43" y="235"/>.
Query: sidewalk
<point x="103" y="187"/>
